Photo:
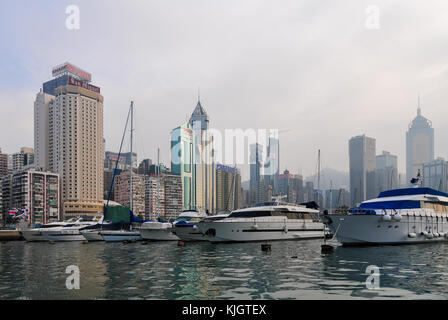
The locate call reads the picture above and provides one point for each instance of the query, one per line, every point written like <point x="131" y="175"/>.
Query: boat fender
<point x="397" y="217"/>
<point x="285" y="229"/>
<point x="446" y="235"/>
<point x="195" y="227"/>
<point x="387" y="217"/>
<point x="425" y="233"/>
<point x="429" y="236"/>
<point x="412" y="235"/>
<point x="442" y="234"/>
<point x="436" y="235"/>
<point x="255" y="227"/>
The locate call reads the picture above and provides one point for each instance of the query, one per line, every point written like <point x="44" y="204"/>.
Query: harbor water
<point x="163" y="270"/>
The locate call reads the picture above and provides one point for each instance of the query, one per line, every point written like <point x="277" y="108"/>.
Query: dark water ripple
<point x="292" y="270"/>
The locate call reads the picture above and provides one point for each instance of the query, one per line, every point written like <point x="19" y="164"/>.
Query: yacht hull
<point x="120" y="236"/>
<point x="254" y="230"/>
<point x="92" y="235"/>
<point x="374" y="230"/>
<point x="33" y="235"/>
<point x="63" y="236"/>
<point x="158" y="235"/>
<point x="190" y="233"/>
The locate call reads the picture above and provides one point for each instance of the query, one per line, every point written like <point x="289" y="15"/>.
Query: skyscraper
<point x="435" y="174"/>
<point x="419" y="145"/>
<point x="362" y="155"/>
<point x="203" y="160"/>
<point x="182" y="162"/>
<point x="228" y="188"/>
<point x="386" y="172"/>
<point x="69" y="140"/>
<point x="256" y="156"/>
<point x="272" y="164"/>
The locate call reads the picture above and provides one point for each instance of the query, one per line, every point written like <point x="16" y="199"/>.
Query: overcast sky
<point x="312" y="69"/>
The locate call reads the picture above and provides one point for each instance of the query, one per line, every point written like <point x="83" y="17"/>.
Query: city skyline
<point x="377" y="81"/>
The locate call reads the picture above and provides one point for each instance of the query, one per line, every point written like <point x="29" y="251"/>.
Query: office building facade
<point x="362" y="154"/>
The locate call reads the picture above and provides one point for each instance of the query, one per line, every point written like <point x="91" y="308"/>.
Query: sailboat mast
<point x="130" y="158"/>
<point x="158" y="182"/>
<point x="318" y="177"/>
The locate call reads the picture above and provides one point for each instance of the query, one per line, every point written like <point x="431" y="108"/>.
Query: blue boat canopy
<point x="411" y="192"/>
<point x="403" y="204"/>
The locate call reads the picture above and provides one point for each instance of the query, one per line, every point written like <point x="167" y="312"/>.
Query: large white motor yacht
<point x="35" y="234"/>
<point x="158" y="231"/>
<point x="185" y="226"/>
<point x="411" y="215"/>
<point x="69" y="232"/>
<point x="265" y="222"/>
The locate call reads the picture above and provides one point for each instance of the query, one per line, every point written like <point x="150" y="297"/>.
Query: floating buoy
<point x="412" y="235"/>
<point x="326" y="248"/>
<point x="181" y="243"/>
<point x="265" y="247"/>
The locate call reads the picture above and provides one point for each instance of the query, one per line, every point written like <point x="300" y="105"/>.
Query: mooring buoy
<point x="265" y="247"/>
<point x="326" y="248"/>
<point x="181" y="243"/>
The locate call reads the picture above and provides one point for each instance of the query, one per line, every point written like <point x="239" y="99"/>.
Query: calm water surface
<point x="162" y="270"/>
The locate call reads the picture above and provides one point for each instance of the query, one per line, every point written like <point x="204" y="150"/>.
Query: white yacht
<point x="185" y="226"/>
<point x="35" y="234"/>
<point x="158" y="231"/>
<point x="412" y="215"/>
<point x="68" y="232"/>
<point x="93" y="233"/>
<point x="120" y="235"/>
<point x="265" y="222"/>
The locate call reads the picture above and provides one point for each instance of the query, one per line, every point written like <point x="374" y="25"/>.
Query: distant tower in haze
<point x="362" y="153"/>
<point x="419" y="144"/>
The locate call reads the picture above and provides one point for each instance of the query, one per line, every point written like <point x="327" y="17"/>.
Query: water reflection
<point x="292" y="270"/>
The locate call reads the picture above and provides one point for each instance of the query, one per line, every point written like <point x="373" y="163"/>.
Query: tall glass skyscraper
<point x="362" y="155"/>
<point x="419" y="145"/>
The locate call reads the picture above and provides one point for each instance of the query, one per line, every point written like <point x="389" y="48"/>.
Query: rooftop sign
<point x="68" y="68"/>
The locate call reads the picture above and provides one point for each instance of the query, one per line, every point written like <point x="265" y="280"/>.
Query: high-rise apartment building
<point x="24" y="158"/>
<point x="362" y="154"/>
<point x="163" y="196"/>
<point x="122" y="191"/>
<point x="3" y="164"/>
<point x="34" y="191"/>
<point x="419" y="145"/>
<point x="69" y="140"/>
<point x="228" y="188"/>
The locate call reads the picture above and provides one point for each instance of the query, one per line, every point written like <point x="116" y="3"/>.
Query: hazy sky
<point x="311" y="67"/>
